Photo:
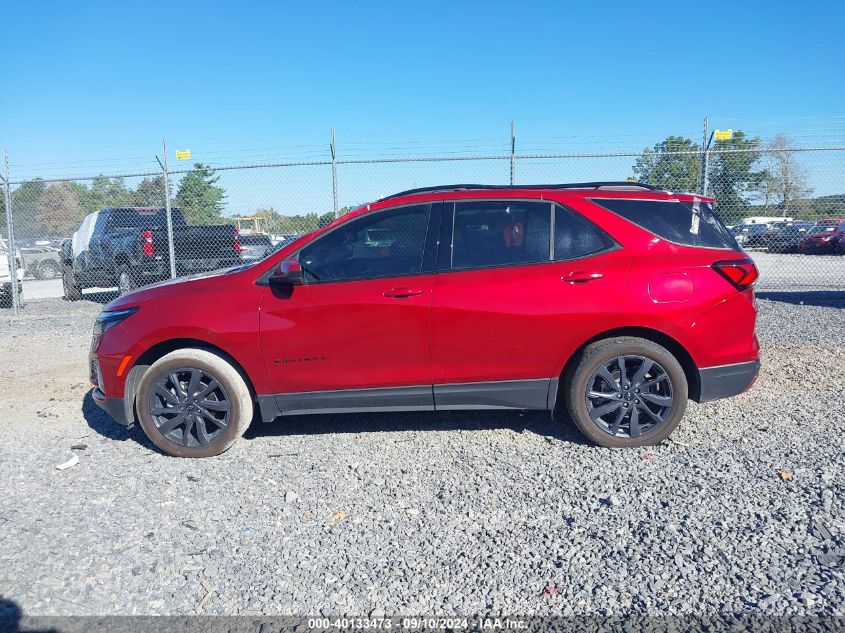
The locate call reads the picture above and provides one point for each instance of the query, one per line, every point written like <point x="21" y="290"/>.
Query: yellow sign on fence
<point x="183" y="154"/>
<point x="723" y="135"/>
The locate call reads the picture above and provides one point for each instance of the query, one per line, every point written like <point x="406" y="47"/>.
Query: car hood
<point x="180" y="285"/>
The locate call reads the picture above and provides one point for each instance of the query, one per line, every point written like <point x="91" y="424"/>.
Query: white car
<point x="5" y="275"/>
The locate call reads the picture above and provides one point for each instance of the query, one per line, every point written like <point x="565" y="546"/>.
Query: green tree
<point x="673" y="164"/>
<point x="149" y="193"/>
<point x="106" y="192"/>
<point x="59" y="209"/>
<point x="200" y="197"/>
<point x="733" y="176"/>
<point x="24" y="205"/>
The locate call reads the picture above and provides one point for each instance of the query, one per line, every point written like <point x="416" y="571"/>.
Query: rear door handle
<point x="402" y="293"/>
<point x="581" y="276"/>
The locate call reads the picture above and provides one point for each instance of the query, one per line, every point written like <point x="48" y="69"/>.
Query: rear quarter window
<point x="687" y="223"/>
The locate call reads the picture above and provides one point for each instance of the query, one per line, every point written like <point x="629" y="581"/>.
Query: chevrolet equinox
<point x="612" y="302"/>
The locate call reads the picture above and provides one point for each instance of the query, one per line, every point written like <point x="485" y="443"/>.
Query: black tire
<point x="125" y="281"/>
<point x="664" y="399"/>
<point x="71" y="288"/>
<point x="195" y="434"/>
<point x="48" y="270"/>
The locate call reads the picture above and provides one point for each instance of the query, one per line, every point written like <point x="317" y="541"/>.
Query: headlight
<point x="110" y="318"/>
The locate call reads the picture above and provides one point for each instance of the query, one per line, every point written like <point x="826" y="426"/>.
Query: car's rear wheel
<point x="193" y="403"/>
<point x="72" y="290"/>
<point x="626" y="392"/>
<point x="48" y="270"/>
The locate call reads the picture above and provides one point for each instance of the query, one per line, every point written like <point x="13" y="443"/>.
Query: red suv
<point x="614" y="302"/>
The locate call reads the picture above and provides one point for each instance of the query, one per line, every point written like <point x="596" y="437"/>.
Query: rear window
<point x="137" y="219"/>
<point x="688" y="223"/>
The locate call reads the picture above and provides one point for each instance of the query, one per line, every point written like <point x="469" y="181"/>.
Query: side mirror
<point x="288" y="273"/>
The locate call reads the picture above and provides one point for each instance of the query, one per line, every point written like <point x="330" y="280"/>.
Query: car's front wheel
<point x="125" y="281"/>
<point x="626" y="392"/>
<point x="193" y="403"/>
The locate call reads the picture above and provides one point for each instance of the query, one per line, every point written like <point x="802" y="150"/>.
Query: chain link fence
<point x="785" y="204"/>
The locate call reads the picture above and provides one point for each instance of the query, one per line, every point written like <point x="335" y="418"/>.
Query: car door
<point x="356" y="334"/>
<point x="509" y="302"/>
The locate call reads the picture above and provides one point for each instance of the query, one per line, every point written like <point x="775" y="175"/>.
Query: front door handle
<point x="581" y="276"/>
<point x="402" y="293"/>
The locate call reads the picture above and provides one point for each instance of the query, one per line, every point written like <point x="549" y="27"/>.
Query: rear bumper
<point x="725" y="381"/>
<point x="115" y="407"/>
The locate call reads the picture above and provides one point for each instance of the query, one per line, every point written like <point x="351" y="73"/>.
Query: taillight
<point x="741" y="273"/>
<point x="148" y="248"/>
<point x="238" y="248"/>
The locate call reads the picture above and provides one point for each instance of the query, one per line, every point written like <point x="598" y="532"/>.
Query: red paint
<point x="506" y="323"/>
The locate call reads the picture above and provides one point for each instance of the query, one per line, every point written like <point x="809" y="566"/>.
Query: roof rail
<point x="610" y="184"/>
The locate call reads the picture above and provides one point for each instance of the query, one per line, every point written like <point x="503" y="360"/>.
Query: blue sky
<point x="92" y="87"/>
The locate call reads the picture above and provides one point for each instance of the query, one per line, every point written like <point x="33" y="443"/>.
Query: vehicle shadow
<point x="101" y="422"/>
<point x="539" y="422"/>
<point x="824" y="298"/>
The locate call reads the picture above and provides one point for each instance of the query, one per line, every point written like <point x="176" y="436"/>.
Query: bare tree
<point x="785" y="184"/>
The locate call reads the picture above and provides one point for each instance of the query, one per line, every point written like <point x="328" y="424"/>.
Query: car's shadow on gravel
<point x="538" y="422"/>
<point x="824" y="298"/>
<point x="101" y="422"/>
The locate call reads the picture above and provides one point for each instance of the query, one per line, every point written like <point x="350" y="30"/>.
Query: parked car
<point x="839" y="244"/>
<point x="750" y="235"/>
<point x="42" y="262"/>
<point x="6" y="288"/>
<point x="785" y="237"/>
<point x="614" y="302"/>
<point x="127" y="247"/>
<point x="820" y="239"/>
<point x="255" y="246"/>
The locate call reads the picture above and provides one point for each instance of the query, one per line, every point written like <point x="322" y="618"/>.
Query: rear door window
<point x="687" y="223"/>
<point x="500" y="233"/>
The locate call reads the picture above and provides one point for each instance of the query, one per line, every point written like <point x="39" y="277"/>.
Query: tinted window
<point x="575" y="238"/>
<point x="382" y="244"/>
<point x="134" y="219"/>
<point x="500" y="233"/>
<point x="693" y="224"/>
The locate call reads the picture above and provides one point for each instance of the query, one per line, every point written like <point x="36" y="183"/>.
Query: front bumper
<point x="725" y="381"/>
<point x="115" y="407"/>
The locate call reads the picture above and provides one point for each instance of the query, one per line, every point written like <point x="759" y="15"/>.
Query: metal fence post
<point x="170" y="250"/>
<point x="705" y="155"/>
<point x="334" y="174"/>
<point x="10" y="229"/>
<point x="513" y="151"/>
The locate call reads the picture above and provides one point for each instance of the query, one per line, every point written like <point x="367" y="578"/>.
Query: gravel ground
<point x="428" y="513"/>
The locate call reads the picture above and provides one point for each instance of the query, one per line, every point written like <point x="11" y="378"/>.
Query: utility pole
<point x="333" y="148"/>
<point x="170" y="250"/>
<point x="10" y="228"/>
<point x="513" y="151"/>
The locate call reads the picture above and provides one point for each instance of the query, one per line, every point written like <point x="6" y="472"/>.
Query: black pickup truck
<point x="127" y="247"/>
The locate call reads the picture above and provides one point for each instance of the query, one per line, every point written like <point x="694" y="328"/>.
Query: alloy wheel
<point x="189" y="407"/>
<point x="629" y="396"/>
